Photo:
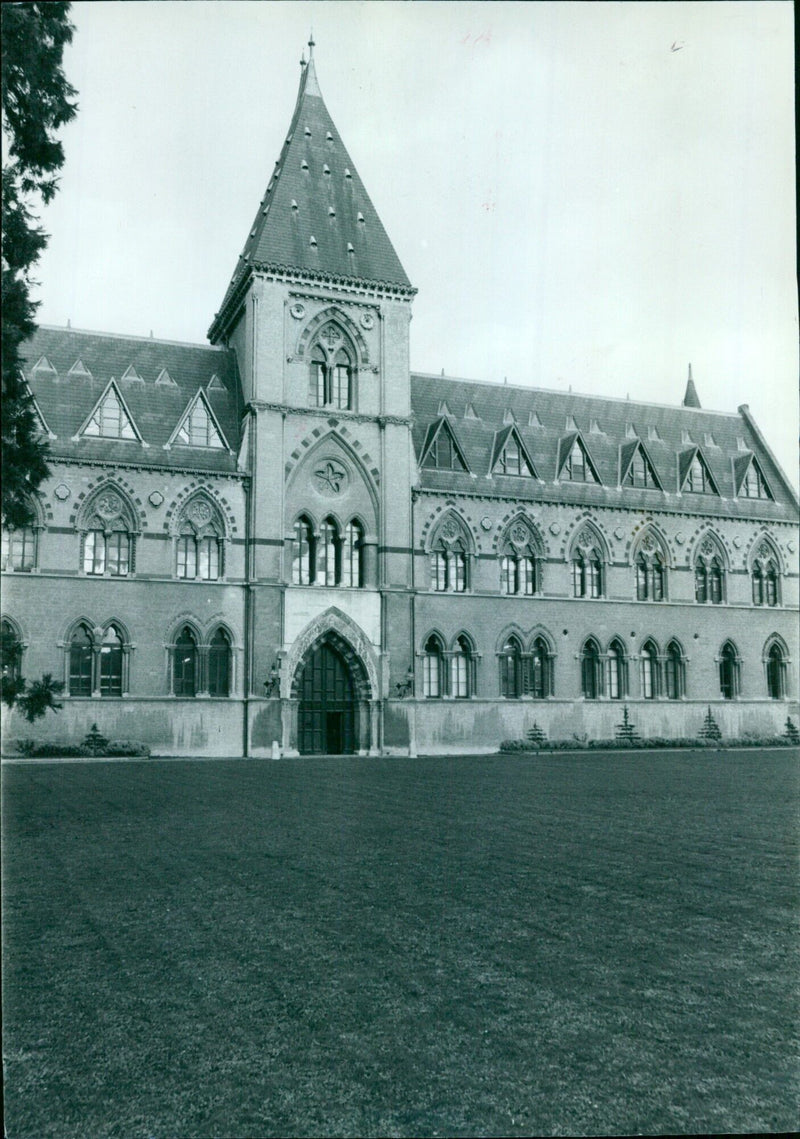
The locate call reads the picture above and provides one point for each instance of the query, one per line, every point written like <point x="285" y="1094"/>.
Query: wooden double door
<point x="326" y="715"/>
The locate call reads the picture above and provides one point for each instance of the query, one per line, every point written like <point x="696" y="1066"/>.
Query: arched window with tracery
<point x="432" y="668"/>
<point x="616" y="671"/>
<point x="650" y="570"/>
<point x="449" y="558"/>
<point x="200" y="544"/>
<point x="765" y="576"/>
<point x="332" y="370"/>
<point x="219" y="664"/>
<point x="588" y="569"/>
<point x="649" y="671"/>
<point x="674" y="672"/>
<point x="520" y="565"/>
<point x="728" y="672"/>
<point x="184" y="670"/>
<point x="591" y="671"/>
<point x="107" y="526"/>
<point x="776" y="672"/>
<point x="81" y="658"/>
<point x="709" y="574"/>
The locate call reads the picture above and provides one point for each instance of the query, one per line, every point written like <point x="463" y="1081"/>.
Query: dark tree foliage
<point x="37" y="100"/>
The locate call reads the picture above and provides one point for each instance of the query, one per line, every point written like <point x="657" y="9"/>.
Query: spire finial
<point x="691" y="398"/>
<point x="311" y="44"/>
<point x="303" y="58"/>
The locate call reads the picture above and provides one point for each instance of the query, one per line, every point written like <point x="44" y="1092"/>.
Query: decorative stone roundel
<point x="737" y="541"/>
<point x="619" y="533"/>
<point x="450" y="531"/>
<point x="298" y="311"/>
<point x="648" y="543"/>
<point x="62" y="492"/>
<point x="555" y="528"/>
<point x="486" y="523"/>
<point x="790" y="546"/>
<point x="708" y="548"/>
<point x="764" y="551"/>
<point x="367" y="320"/>
<point x="520" y="534"/>
<point x="155" y="498"/>
<point x="680" y="538"/>
<point x="331" y="477"/>
<point x="585" y="538"/>
<point x="199" y="512"/>
<point x="109" y="505"/>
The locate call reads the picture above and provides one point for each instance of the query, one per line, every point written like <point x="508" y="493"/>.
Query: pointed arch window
<point x="10" y="651"/>
<point x="81" y="654"/>
<point x="200" y="544"/>
<point x="709" y="576"/>
<point x="776" y="672"/>
<point x="650" y="576"/>
<point x="511" y="669"/>
<point x="591" y="671"/>
<point x="728" y="672"/>
<point x="462" y="669"/>
<point x="587" y="572"/>
<point x="219" y="664"/>
<point x="448" y="561"/>
<point x="107" y="552"/>
<point x="111" y="662"/>
<point x="184" y="671"/>
<point x="540" y="683"/>
<point x="432" y="670"/>
<point x="328" y="562"/>
<point x="765" y="578"/>
<point x="674" y="672"/>
<point x="304" y="561"/>
<point x="351" y="555"/>
<point x="520" y="566"/>
<point x="332" y="371"/>
<point x="19" y="549"/>
<point x="649" y="671"/>
<point x="616" y="672"/>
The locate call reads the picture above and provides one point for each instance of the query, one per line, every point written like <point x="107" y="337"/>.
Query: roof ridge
<point x="581" y="395"/>
<point x="131" y="336"/>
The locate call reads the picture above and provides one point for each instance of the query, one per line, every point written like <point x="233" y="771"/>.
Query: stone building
<point x="287" y="537"/>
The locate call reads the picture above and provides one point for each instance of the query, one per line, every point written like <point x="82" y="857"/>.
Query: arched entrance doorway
<point x="328" y="691"/>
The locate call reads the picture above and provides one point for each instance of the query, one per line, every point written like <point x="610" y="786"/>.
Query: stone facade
<point x="286" y="538"/>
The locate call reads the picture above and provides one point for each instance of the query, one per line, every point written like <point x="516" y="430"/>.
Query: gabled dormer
<point x="198" y="427"/>
<point x="575" y="464"/>
<point x="635" y="467"/>
<point x="110" y="418"/>
<point x="694" y="474"/>
<point x="441" y="450"/>
<point x="748" y="478"/>
<point x="510" y="455"/>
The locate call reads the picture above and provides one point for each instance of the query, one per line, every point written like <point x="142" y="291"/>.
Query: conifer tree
<point x="36" y="100"/>
<point x="710" y="729"/>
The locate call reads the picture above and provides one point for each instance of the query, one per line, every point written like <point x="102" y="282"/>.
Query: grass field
<point x="503" y="945"/>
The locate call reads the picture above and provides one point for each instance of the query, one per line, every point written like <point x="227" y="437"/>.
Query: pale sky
<point x="584" y="194"/>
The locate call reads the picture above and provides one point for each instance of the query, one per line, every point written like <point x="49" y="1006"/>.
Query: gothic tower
<point x="318" y="313"/>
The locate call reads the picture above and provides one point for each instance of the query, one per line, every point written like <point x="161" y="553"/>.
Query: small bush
<point x="126" y="748"/>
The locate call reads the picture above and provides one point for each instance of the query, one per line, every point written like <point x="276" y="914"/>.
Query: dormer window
<point x="443" y="454"/>
<point x="577" y="467"/>
<point x="754" y="485"/>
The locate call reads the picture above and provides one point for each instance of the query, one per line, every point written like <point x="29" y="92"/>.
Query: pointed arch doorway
<point x="329" y="684"/>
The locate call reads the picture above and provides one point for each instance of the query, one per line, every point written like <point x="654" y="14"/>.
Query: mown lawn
<point x="489" y="946"/>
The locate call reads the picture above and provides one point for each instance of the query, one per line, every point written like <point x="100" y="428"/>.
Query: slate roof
<point x="547" y="444"/>
<point x="315" y="216"/>
<point x="66" y="400"/>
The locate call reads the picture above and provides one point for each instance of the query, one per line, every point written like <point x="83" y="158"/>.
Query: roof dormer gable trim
<point x="442" y="426"/>
<point x="690" y="463"/>
<point x="501" y="441"/>
<point x="93" y="426"/>
<point x="566" y="446"/>
<point x="627" y="455"/>
<point x="743" y="465"/>
<point x="212" y="430"/>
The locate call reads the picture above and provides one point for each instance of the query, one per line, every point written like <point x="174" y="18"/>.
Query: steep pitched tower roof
<point x="315" y="217"/>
